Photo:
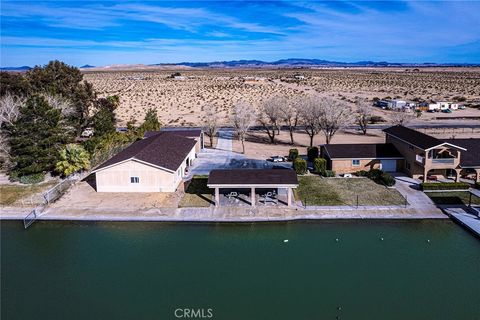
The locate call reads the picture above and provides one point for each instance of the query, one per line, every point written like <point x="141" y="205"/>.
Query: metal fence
<point x="357" y="201"/>
<point x="50" y="196"/>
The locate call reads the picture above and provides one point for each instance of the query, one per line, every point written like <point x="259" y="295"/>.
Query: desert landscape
<point x="180" y="101"/>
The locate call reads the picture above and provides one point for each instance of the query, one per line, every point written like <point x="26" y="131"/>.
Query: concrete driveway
<point x="222" y="157"/>
<point x="410" y="188"/>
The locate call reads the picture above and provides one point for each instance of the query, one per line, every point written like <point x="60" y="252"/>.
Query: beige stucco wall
<point x="152" y="179"/>
<point x="416" y="169"/>
<point x="341" y="166"/>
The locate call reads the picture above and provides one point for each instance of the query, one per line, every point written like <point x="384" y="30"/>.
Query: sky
<point x="148" y="32"/>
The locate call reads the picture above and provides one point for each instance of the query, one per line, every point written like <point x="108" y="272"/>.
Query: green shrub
<point x="300" y="166"/>
<point x="13" y="176"/>
<point x="387" y="179"/>
<point x="378" y="176"/>
<point x="320" y="165"/>
<point x="361" y="173"/>
<point x="329" y="173"/>
<point x="312" y="153"/>
<point x="32" y="178"/>
<point x="425" y="186"/>
<point x="292" y="154"/>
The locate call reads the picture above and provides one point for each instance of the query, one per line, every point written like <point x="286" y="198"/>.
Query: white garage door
<point x="389" y="165"/>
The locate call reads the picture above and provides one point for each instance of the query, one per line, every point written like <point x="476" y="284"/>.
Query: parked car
<point x="447" y="111"/>
<point x="276" y="159"/>
<point x="461" y="107"/>
<point x="87" y="133"/>
<point x="431" y="111"/>
<point x="122" y="129"/>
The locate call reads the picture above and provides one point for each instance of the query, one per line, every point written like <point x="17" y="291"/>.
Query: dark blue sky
<point x="118" y="32"/>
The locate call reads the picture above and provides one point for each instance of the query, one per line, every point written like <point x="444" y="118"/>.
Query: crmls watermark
<point x="193" y="313"/>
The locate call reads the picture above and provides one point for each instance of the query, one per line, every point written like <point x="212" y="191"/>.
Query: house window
<point x="355" y="163"/>
<point x="134" y="180"/>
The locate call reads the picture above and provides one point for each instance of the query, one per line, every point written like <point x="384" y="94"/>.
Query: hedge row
<point x="444" y="186"/>
<point x="378" y="176"/>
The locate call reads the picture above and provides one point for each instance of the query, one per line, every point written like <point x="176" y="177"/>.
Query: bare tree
<point x="58" y="102"/>
<point x="365" y="112"/>
<point x="9" y="111"/>
<point x="289" y="115"/>
<point x="334" y="115"/>
<point x="401" y="118"/>
<point x="243" y="118"/>
<point x="10" y="108"/>
<point x="308" y="110"/>
<point x="270" y="115"/>
<point x="211" y="122"/>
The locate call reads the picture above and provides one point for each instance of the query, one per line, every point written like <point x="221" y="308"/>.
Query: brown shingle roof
<point x="358" y="151"/>
<point x="471" y="157"/>
<point x="166" y="150"/>
<point x="247" y="177"/>
<point x="189" y="133"/>
<point x="416" y="138"/>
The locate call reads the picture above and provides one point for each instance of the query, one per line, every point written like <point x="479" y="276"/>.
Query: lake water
<point x="58" y="270"/>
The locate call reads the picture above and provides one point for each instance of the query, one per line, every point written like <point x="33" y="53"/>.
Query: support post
<point x="457" y="175"/>
<point x="217" y="197"/>
<point x="289" y="197"/>
<point x="252" y="196"/>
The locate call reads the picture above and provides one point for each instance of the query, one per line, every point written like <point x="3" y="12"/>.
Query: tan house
<point x="349" y="158"/>
<point x="406" y="150"/>
<point x="154" y="164"/>
<point x="427" y="157"/>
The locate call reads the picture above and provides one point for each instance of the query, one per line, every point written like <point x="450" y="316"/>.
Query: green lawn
<point x="197" y="193"/>
<point x="344" y="191"/>
<point x="452" y="197"/>
<point x="12" y="194"/>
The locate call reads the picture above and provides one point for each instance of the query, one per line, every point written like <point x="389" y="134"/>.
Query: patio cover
<point x="258" y="178"/>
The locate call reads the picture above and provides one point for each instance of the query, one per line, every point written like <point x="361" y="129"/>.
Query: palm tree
<point x="73" y="158"/>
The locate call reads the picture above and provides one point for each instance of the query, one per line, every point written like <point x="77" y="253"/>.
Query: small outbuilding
<point x="154" y="164"/>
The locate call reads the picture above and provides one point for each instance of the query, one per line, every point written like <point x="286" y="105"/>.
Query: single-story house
<point x="154" y="164"/>
<point x="193" y="133"/>
<point x="349" y="158"/>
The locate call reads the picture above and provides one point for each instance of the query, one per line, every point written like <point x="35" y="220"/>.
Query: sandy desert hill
<point x="180" y="101"/>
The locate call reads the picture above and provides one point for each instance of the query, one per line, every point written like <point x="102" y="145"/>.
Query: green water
<point x="145" y="271"/>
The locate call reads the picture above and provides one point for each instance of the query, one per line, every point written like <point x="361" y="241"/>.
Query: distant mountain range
<point x="305" y="63"/>
<point x="23" y="68"/>
<point x="283" y="63"/>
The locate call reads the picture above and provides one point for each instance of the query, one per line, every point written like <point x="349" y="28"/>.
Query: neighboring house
<point x="193" y="133"/>
<point x="154" y="164"/>
<point x="406" y="150"/>
<point x="349" y="158"/>
<point x="425" y="155"/>
<point x="470" y="160"/>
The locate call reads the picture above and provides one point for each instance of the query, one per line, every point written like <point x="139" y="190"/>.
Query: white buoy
<point x="286" y="240"/>
<point x="428" y="240"/>
<point x="336" y="240"/>
<point x="381" y="238"/>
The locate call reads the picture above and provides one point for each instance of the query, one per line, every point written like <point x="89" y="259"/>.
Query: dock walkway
<point x="470" y="220"/>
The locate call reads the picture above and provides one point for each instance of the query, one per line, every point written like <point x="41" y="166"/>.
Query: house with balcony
<point x="426" y="156"/>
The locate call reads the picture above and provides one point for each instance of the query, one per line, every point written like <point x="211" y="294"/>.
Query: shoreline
<point x="230" y="215"/>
